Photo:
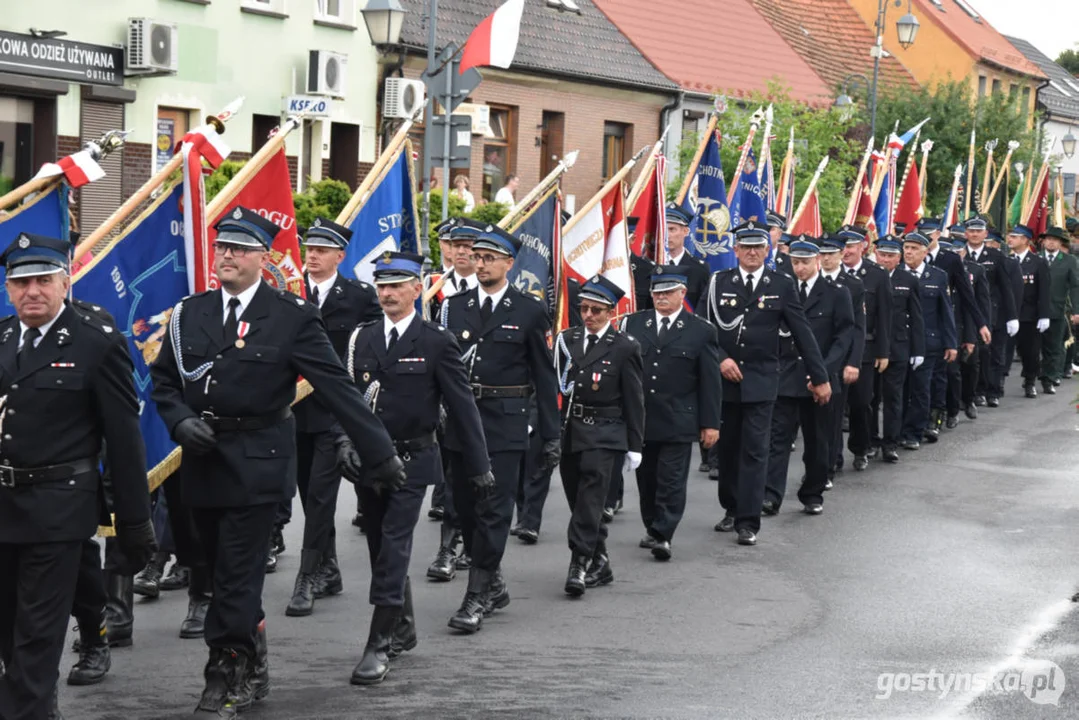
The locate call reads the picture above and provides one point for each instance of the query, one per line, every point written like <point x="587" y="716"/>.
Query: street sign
<point x="461" y="85"/>
<point x="460" y="143"/>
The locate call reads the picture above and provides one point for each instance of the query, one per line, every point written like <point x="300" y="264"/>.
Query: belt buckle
<point x="7" y="476"/>
<point x="576" y="411"/>
<point x="207" y="416"/>
<point x="477" y="391"/>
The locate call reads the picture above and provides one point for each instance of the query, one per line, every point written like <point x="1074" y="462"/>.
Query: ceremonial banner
<point x="650" y="211"/>
<point x="882" y="212"/>
<point x="139" y="278"/>
<point x="46" y="214"/>
<point x="616" y="264"/>
<point x="863" y="213"/>
<point x="809" y="223"/>
<point x="269" y="193"/>
<point x="749" y="201"/>
<point x="910" y="209"/>
<point x="533" y="270"/>
<point x="78" y="169"/>
<point x="202" y="143"/>
<point x="1039" y="218"/>
<point x="591" y="247"/>
<point x="710" y="235"/>
<point x="387" y="221"/>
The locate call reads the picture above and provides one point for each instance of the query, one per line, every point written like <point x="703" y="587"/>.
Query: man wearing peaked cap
<point x="641" y="267"/>
<point x="343" y="303"/>
<point x="1063" y="303"/>
<point x="970" y="367"/>
<point x="695" y="269"/>
<point x="599" y="370"/>
<point x="748" y="304"/>
<point x="1003" y="280"/>
<point x="224" y="381"/>
<point x="1034" y="307"/>
<point x="408" y="368"/>
<point x="51" y="489"/>
<point x="682" y="393"/>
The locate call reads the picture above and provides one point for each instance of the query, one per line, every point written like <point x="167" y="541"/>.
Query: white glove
<point x="632" y="461"/>
<point x="1012" y="327"/>
<point x="916" y="361"/>
<point x="1043" y="324"/>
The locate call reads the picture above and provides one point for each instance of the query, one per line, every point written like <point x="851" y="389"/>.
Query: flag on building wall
<point x="387" y="220"/>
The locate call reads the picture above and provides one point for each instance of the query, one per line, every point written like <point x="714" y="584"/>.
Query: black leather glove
<point x="137" y="543"/>
<point x="389" y="475"/>
<point x="348" y="462"/>
<point x="483" y="485"/>
<point x="195" y="436"/>
<point x="552" y="453"/>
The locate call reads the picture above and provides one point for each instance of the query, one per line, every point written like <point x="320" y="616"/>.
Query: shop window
<point x="499" y="146"/>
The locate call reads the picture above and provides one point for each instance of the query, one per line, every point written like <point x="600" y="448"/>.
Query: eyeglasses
<point x="486" y="259"/>
<point x="593" y="310"/>
<point x="236" y="250"/>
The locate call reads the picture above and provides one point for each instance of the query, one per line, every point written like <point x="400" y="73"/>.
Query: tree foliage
<point x="1069" y="60"/>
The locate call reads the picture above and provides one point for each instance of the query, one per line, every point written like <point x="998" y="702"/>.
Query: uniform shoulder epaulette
<point x="369" y="323"/>
<point x="293" y="300"/>
<point x="97" y="324"/>
<point x="360" y="284"/>
<point x="433" y="326"/>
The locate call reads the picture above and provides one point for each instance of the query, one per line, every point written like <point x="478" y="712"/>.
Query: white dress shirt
<point x="23" y="327"/>
<point x="496" y="297"/>
<point x="672" y="317"/>
<point x="324" y="288"/>
<point x="402" y="326"/>
<point x="244" y="298"/>
<point x="756" y="275"/>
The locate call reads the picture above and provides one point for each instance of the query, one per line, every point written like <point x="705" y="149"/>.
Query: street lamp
<point x="1068" y="144"/>
<point x="845" y="103"/>
<point x="907" y="29"/>
<point x="384" y="19"/>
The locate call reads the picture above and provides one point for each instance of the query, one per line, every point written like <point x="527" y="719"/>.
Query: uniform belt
<point x="501" y="391"/>
<point x="253" y="422"/>
<point x="415" y="444"/>
<point x="13" y="477"/>
<point x="590" y="411"/>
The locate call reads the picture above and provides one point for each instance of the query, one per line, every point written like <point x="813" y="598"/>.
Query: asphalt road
<point x="917" y="580"/>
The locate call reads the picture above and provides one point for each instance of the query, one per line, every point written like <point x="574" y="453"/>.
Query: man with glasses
<point x="502" y="332"/>
<point x="223" y="383"/>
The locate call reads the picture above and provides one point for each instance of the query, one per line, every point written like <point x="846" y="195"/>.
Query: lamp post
<point x="845" y="103"/>
<point x="907" y="29"/>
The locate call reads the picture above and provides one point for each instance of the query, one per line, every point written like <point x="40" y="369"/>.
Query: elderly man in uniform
<point x="682" y="394"/>
<point x="747" y="304"/>
<point x="408" y="369"/>
<point x="1034" y="307"/>
<point x="1004" y="323"/>
<point x="67" y="387"/>
<point x="343" y="304"/>
<point x="502" y="332"/>
<point x="1063" y="296"/>
<point x="600" y="371"/>
<point x="223" y="383"/>
<point x="831" y="318"/>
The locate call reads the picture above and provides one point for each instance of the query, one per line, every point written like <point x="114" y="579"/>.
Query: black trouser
<point x="1053" y="350"/>
<point x="534" y="486"/>
<point x="1072" y="350"/>
<point x="970" y="374"/>
<point x="999" y="358"/>
<point x="661" y="483"/>
<point x="190" y="552"/>
<point x="388" y="523"/>
<point x="318" y="482"/>
<point x="952" y="384"/>
<point x="442" y="496"/>
<point x="743" y="455"/>
<point x="835" y="439"/>
<point x="816" y="421"/>
<point x="236" y="540"/>
<point x="485" y="524"/>
<point x="1029" y="345"/>
<point x="616" y="486"/>
<point x="159" y="513"/>
<point x="586" y="477"/>
<point x="862" y="417"/>
<point x="91" y="593"/>
<point x="918" y="394"/>
<point x="36" y="598"/>
<point x="891" y="395"/>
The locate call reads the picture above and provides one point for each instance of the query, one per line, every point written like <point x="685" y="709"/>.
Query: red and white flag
<point x="202" y="142"/>
<point x="78" y="169"/>
<point x="809" y="221"/>
<point x="494" y="41"/>
<point x="651" y="213"/>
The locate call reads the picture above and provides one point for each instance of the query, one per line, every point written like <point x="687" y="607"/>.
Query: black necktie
<point x="664" y="326"/>
<point x="749" y="284"/>
<point x="314" y="294"/>
<point x="590" y="343"/>
<point x="232" y="320"/>
<point x="804" y="291"/>
<point x="393" y="339"/>
<point x="28" y="339"/>
<point x="486" y="309"/>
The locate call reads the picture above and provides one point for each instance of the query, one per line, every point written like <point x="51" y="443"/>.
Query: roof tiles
<point x="976" y="34"/>
<point x="1061" y="97"/>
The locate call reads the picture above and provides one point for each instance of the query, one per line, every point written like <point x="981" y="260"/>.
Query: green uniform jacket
<point x="1063" y="285"/>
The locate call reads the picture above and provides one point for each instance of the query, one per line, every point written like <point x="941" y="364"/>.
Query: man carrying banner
<point x="695" y="269"/>
<point x="408" y="368"/>
<point x="502" y="332"/>
<point x="343" y="304"/>
<point x="223" y="382"/>
<point x="50" y="489"/>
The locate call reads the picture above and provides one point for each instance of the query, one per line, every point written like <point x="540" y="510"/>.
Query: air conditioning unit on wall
<point x="152" y="46"/>
<point x="402" y="98"/>
<point x="326" y="73"/>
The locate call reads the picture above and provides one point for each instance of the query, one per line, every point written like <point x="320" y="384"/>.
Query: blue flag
<point x="532" y="270"/>
<point x="139" y="279"/>
<point x="882" y="213"/>
<point x="387" y="221"/>
<point x="44" y="215"/>
<point x="710" y="231"/>
<point x="748" y="202"/>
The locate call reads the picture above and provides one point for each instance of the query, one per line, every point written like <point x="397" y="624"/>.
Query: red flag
<point x="863" y="215"/>
<point x="269" y="193"/>
<point x="910" y="202"/>
<point x="201" y="143"/>
<point x="651" y="214"/>
<point x="1039" y="217"/>
<point x="809" y="222"/>
<point x="494" y="41"/>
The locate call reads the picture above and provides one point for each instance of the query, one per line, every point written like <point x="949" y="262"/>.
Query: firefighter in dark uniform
<point x="748" y="304"/>
<point x="779" y="242"/>
<point x="831" y="253"/>
<point x="831" y="318"/>
<point x="926" y="385"/>
<point x="878" y="343"/>
<point x="1063" y="303"/>
<point x="67" y="387"/>
<point x="907" y="345"/>
<point x="599" y="370"/>
<point x="1005" y="322"/>
<point x="682" y="397"/>
<point x="641" y="267"/>
<point x="223" y="382"/>
<point x="407" y="369"/>
<point x="343" y="304"/>
<point x="502" y="332"/>
<point x="1034" y="307"/>
<point x="695" y="269"/>
<point x="970" y="366"/>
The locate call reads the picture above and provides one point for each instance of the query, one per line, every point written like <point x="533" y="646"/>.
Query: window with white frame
<point x="336" y="11"/>
<point x="269" y="6"/>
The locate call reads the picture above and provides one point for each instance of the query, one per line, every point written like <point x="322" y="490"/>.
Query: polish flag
<point x="78" y="169"/>
<point x="494" y="41"/>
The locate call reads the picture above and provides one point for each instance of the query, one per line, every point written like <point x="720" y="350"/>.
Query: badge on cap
<point x="317" y="223"/>
<point x="237" y="214"/>
<point x="24" y="242"/>
<point x="386" y="259"/>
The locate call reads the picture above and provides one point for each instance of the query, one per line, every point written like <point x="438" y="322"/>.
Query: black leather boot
<point x="375" y="662"/>
<point x="578" y="566"/>
<point x="220" y="673"/>
<point x="498" y="595"/>
<point x="328" y="578"/>
<point x="252" y="681"/>
<point x="261" y="672"/>
<point x="599" y="571"/>
<point x="118" y="608"/>
<point x="303" y="592"/>
<point x="148" y="582"/>
<point x="404" y="635"/>
<point x="444" y="568"/>
<point x="179" y="577"/>
<point x="469" y="617"/>
<point x="94" y="656"/>
<point x="198" y="604"/>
